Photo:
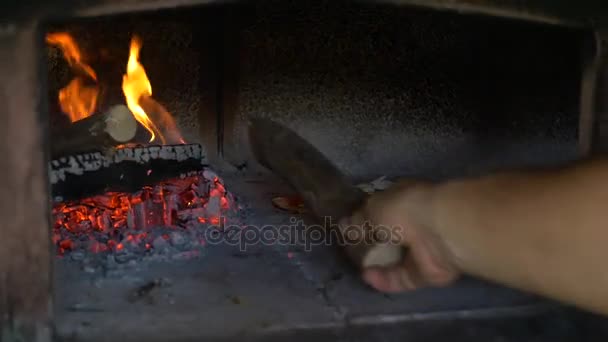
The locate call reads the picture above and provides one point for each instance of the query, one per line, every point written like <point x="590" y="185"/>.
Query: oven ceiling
<point x="561" y="12"/>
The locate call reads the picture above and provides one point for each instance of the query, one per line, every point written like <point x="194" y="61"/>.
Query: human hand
<point x="407" y="206"/>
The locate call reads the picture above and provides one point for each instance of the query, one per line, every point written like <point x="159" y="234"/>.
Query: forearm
<point x="541" y="231"/>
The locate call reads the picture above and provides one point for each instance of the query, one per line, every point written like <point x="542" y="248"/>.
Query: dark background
<point x="382" y="90"/>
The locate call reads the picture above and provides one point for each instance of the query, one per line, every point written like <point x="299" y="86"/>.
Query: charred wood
<point x="96" y="132"/>
<point x="126" y="169"/>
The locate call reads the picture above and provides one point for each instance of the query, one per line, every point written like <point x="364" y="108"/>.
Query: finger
<point x="428" y="265"/>
<point x="420" y="268"/>
<point x="391" y="279"/>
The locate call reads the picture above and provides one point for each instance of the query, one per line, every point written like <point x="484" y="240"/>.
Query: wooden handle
<point x="324" y="189"/>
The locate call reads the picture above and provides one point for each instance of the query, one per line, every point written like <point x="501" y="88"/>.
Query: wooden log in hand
<point x="96" y="132"/>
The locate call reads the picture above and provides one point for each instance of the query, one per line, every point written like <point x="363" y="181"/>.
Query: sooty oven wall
<point x="390" y="90"/>
<point x="381" y="90"/>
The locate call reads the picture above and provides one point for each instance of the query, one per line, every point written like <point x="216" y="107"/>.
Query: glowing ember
<point x="78" y="99"/>
<point x="116" y="221"/>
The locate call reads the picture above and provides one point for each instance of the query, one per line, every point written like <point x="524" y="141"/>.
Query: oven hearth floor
<point x="283" y="292"/>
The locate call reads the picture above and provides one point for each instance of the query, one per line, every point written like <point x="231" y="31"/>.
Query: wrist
<point x="417" y="204"/>
<point x="451" y="219"/>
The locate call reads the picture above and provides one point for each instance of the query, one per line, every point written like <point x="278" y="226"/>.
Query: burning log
<point x="324" y="189"/>
<point x="127" y="169"/>
<point x="94" y="133"/>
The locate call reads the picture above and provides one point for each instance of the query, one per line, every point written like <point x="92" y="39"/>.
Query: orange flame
<point x="135" y="85"/>
<point x="70" y="51"/>
<point x="77" y="100"/>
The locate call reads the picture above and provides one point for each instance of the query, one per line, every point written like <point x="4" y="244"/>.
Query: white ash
<point x="160" y="243"/>
<point x="212" y="208"/>
<point x="86" y="162"/>
<point x="177" y="239"/>
<point x="164" y="244"/>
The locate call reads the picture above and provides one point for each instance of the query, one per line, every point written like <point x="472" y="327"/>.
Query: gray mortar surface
<point x="265" y="290"/>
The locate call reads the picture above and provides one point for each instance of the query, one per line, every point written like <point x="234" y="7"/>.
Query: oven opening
<point x="165" y="225"/>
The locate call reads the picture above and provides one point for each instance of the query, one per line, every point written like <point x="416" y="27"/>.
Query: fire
<point x="77" y="100"/>
<point x="70" y="51"/>
<point x="135" y="85"/>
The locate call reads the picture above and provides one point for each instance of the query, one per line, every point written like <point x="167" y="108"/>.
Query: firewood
<point x="96" y="132"/>
<point x="127" y="169"/>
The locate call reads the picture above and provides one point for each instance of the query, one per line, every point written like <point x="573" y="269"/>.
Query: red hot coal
<point x="112" y="221"/>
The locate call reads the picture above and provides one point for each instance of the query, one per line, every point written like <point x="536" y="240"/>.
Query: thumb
<point x="422" y="266"/>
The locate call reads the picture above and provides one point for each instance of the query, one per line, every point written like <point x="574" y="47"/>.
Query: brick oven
<point x="124" y="219"/>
